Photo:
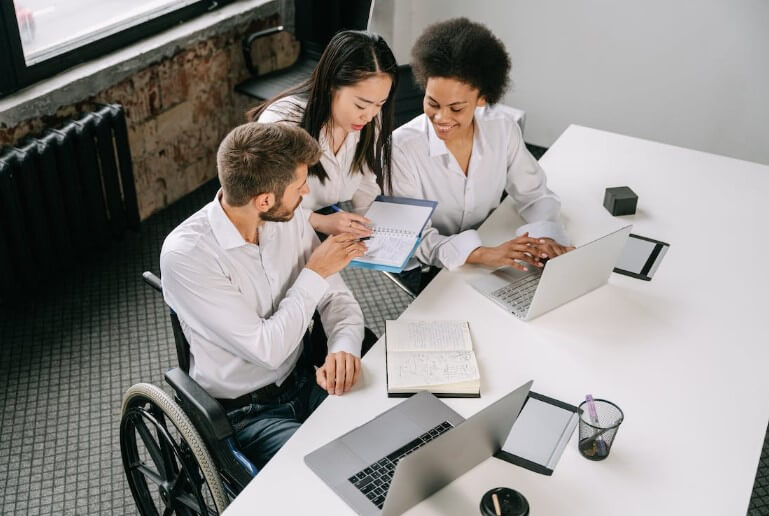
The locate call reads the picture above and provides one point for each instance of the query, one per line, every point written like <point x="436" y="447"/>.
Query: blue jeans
<point x="261" y="429"/>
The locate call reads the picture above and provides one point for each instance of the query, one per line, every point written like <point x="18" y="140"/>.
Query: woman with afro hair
<point x="465" y="151"/>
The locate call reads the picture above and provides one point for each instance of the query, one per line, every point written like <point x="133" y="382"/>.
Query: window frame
<point x="17" y="74"/>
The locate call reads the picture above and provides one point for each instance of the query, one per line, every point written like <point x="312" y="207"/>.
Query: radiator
<point x="63" y="196"/>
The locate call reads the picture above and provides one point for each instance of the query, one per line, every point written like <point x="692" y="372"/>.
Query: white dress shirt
<point x="243" y="307"/>
<point x="342" y="184"/>
<point x="424" y="168"/>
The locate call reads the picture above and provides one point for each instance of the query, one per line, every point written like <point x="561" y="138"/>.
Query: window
<point x="39" y="38"/>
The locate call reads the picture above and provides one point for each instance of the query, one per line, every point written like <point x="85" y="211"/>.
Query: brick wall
<point x="177" y="110"/>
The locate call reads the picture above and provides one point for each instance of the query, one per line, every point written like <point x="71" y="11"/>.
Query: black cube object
<point x="620" y="200"/>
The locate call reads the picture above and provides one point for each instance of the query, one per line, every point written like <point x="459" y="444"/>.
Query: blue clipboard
<point x="399" y="200"/>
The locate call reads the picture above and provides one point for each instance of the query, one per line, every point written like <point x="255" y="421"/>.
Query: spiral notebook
<point x="397" y="230"/>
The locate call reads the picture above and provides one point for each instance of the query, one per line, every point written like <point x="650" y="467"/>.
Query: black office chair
<point x="316" y="21"/>
<point x="408" y="96"/>
<point x="179" y="454"/>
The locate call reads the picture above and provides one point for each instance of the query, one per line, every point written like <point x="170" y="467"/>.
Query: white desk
<point x="684" y="355"/>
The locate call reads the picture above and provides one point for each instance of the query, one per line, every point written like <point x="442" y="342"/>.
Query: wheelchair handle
<point x="152" y="280"/>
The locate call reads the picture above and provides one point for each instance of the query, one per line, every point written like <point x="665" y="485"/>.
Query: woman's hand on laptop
<point x="339" y="373"/>
<point x="550" y="248"/>
<point x="509" y="254"/>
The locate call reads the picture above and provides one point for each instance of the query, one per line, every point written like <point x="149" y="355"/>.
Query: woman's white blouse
<point x="341" y="184"/>
<point x="424" y="168"/>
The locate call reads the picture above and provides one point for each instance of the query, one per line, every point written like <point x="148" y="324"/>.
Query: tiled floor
<point x="67" y="356"/>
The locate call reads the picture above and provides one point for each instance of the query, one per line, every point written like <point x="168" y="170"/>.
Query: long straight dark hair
<point x="350" y="57"/>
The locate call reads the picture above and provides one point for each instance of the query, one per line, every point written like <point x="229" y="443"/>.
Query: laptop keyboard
<point x="517" y="296"/>
<point x="374" y="481"/>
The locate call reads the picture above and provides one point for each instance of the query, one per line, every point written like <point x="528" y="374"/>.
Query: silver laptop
<point x="530" y="294"/>
<point x="406" y="454"/>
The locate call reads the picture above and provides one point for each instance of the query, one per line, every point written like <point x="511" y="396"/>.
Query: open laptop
<point x="530" y="294"/>
<point x="406" y="454"/>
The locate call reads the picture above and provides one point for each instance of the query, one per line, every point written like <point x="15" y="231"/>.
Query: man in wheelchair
<point x="246" y="274"/>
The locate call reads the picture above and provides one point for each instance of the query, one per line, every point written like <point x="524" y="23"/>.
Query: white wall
<point x="693" y="73"/>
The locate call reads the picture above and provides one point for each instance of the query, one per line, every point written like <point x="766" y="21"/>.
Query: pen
<point x="594" y="419"/>
<point x="497" y="508"/>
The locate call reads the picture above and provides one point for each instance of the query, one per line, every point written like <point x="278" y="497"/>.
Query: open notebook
<point x="398" y="224"/>
<point x="434" y="356"/>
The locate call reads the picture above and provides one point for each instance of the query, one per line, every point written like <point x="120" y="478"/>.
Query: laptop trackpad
<point x="385" y="434"/>
<point x="334" y="462"/>
<point x="499" y="278"/>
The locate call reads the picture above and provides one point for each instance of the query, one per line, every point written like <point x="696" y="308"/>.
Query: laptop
<point x="406" y="454"/>
<point x="529" y="294"/>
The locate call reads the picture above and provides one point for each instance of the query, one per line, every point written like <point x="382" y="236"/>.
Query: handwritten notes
<point x="431" y="355"/>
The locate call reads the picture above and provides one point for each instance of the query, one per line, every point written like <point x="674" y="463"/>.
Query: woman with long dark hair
<point x="347" y="105"/>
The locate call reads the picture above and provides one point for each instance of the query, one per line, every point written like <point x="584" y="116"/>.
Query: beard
<point x="279" y="213"/>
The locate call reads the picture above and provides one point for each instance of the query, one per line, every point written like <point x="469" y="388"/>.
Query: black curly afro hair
<point x="466" y="51"/>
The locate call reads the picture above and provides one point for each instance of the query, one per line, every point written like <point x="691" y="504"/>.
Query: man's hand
<point x="523" y="248"/>
<point x="550" y="248"/>
<point x="339" y="373"/>
<point x="334" y="254"/>
<point x="341" y="222"/>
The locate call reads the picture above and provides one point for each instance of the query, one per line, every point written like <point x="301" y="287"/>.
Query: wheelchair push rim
<point x="174" y="473"/>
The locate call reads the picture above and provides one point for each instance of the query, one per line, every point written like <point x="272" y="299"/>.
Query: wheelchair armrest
<point x="206" y="413"/>
<point x="215" y="429"/>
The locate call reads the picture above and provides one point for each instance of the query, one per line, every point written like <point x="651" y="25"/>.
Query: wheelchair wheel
<point x="166" y="462"/>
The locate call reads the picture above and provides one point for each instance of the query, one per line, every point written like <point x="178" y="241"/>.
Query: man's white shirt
<point x="243" y="307"/>
<point x="424" y="168"/>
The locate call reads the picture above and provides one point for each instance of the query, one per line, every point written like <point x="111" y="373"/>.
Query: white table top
<point x="684" y="355"/>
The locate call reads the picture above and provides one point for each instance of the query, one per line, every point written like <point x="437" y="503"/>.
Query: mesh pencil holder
<point x="597" y="436"/>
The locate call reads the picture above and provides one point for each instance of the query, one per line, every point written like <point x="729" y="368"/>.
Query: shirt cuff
<point x="545" y="229"/>
<point x="454" y="253"/>
<point x="344" y="343"/>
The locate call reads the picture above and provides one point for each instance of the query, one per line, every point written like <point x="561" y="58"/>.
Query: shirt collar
<point x="222" y="227"/>
<point x="479" y="136"/>
<point x="438" y="147"/>
<point x="323" y="142"/>
<point x="350" y="141"/>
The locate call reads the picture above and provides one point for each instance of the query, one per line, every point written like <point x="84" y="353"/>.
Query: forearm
<point x="448" y="252"/>
<point x="219" y="314"/>
<point x="478" y="256"/>
<point x="319" y="223"/>
<point x="342" y="318"/>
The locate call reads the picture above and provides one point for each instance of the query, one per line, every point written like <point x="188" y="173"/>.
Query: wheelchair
<point x="179" y="454"/>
